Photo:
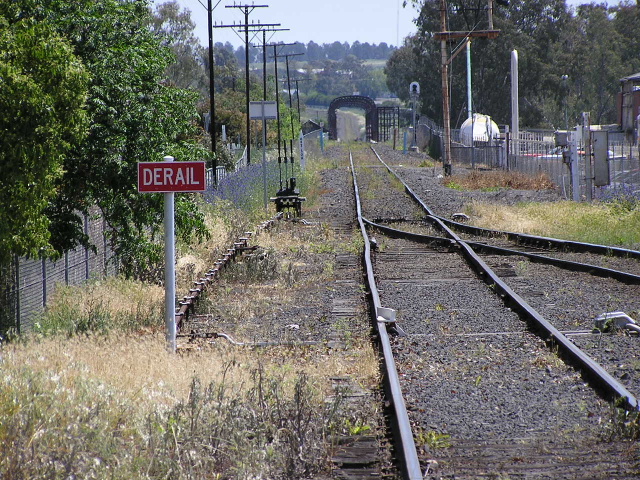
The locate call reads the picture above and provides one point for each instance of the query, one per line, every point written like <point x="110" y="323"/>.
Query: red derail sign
<point x="171" y="177"/>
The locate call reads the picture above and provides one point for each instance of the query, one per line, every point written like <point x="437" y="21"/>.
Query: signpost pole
<point x="263" y="111"/>
<point x="169" y="268"/>
<point x="264" y="156"/>
<point x="169" y="177"/>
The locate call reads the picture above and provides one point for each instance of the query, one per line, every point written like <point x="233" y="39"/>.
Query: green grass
<point x="102" y="306"/>
<point x="615" y="222"/>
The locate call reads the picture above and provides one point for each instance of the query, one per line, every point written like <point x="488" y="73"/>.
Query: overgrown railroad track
<point x="487" y="398"/>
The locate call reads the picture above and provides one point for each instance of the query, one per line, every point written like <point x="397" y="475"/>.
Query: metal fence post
<point x="66" y="268"/>
<point x="17" y="290"/>
<point x="44" y="283"/>
<point x="105" y="259"/>
<point x="86" y="250"/>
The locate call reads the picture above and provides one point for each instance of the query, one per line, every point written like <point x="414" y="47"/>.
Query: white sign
<point x="256" y="112"/>
<point x="302" y="155"/>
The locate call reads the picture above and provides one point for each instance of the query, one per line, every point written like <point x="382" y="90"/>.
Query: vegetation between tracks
<point x="92" y="393"/>
<point x="113" y="407"/>
<point x="496" y="180"/>
<point x="601" y="223"/>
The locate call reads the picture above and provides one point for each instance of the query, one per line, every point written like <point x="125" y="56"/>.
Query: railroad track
<point x="487" y="378"/>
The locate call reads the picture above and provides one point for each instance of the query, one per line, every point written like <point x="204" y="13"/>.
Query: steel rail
<point x="407" y="448"/>
<point x="545" y="242"/>
<point x="523" y="238"/>
<point x="479" y="247"/>
<point x="590" y="369"/>
<point x="416" y="237"/>
<point x="625" y="277"/>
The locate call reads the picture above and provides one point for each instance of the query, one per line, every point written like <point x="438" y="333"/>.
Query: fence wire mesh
<point x="29" y="284"/>
<point x="535" y="152"/>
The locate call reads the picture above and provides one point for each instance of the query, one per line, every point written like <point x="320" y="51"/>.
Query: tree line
<point x="571" y="60"/>
<point x="324" y="71"/>
<point x="314" y="52"/>
<point x="88" y="89"/>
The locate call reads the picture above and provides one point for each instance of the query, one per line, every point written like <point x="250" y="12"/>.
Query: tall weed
<point x="60" y="421"/>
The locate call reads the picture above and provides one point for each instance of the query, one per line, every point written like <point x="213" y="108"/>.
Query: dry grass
<point x="521" y="219"/>
<point x="122" y="407"/>
<point x="102" y="305"/>
<point x="142" y="370"/>
<point x="482" y="180"/>
<point x="113" y="403"/>
<point x="224" y="224"/>
<point x="599" y="223"/>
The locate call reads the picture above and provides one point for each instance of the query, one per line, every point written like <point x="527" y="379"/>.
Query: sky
<point x="323" y="21"/>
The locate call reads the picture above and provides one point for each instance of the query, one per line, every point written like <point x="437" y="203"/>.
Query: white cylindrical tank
<point x="479" y="128"/>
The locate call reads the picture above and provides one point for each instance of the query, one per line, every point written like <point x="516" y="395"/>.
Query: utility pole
<point x="275" y="66"/>
<point x="246" y="10"/>
<point x="212" y="103"/>
<point x="446" y="114"/>
<point x="298" y="80"/>
<point x="269" y="29"/>
<point x="445" y="36"/>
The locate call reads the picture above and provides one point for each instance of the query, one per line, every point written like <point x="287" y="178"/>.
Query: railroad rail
<point x="188" y="303"/>
<point x="408" y="456"/>
<point x="593" y="370"/>
<point x="448" y="241"/>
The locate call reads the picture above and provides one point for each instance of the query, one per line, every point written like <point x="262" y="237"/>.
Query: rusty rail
<point x="241" y="245"/>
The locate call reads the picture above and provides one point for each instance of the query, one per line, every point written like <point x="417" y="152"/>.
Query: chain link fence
<point x="27" y="285"/>
<point x="535" y="152"/>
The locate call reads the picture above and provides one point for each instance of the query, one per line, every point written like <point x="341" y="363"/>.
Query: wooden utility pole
<point x="446" y="113"/>
<point x="246" y="9"/>
<point x="445" y="36"/>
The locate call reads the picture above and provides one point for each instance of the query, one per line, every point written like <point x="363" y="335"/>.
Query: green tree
<point x="407" y="64"/>
<point x="371" y="83"/>
<point x="43" y="90"/>
<point x="626" y="22"/>
<point x="532" y="27"/>
<point x="176" y="25"/>
<point x="594" y="64"/>
<point x="134" y="116"/>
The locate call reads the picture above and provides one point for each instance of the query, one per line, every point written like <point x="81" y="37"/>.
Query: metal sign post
<point x="303" y="160"/>
<point x="263" y="111"/>
<point x="169" y="268"/>
<point x="414" y="92"/>
<point x="169" y="177"/>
